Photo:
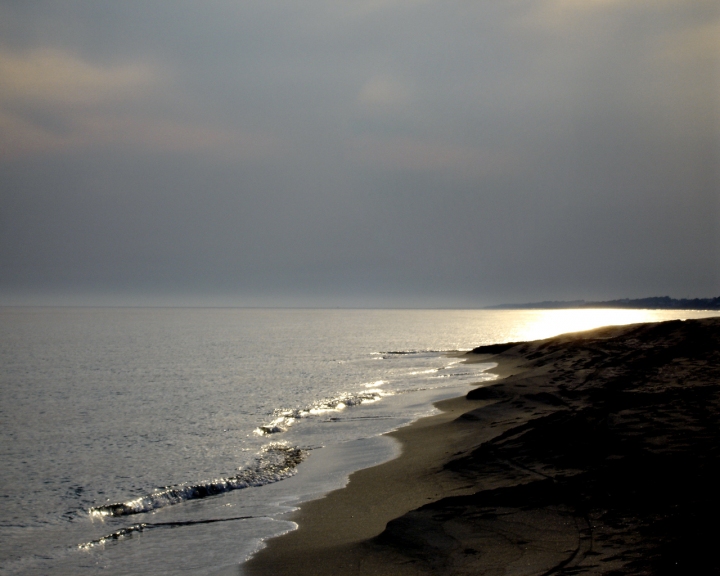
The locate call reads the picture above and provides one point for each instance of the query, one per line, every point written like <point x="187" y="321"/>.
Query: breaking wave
<point x="283" y="418"/>
<point x="276" y="462"/>
<point x="391" y="353"/>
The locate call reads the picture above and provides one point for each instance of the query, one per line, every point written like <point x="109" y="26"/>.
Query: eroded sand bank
<point x="596" y="453"/>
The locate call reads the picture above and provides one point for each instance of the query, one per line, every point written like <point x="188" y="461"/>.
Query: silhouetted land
<point x="654" y="303"/>
<point x="597" y="453"/>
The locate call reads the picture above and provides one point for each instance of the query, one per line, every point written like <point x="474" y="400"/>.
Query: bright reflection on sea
<point x="541" y="324"/>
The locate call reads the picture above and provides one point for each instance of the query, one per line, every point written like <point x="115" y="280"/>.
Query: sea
<point x="170" y="441"/>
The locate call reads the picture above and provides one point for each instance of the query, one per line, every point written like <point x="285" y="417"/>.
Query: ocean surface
<point x="175" y="440"/>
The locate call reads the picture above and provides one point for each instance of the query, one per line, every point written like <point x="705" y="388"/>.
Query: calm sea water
<point x="173" y="441"/>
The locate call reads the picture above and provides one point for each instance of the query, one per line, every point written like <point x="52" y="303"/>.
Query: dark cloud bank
<point x="387" y="152"/>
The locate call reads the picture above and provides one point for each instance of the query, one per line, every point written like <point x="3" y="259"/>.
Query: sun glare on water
<point x="541" y="324"/>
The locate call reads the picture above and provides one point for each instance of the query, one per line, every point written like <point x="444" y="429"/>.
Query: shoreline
<point x="373" y="496"/>
<point x="341" y="523"/>
<point x="570" y="460"/>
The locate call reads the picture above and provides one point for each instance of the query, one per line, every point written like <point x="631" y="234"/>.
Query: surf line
<point x="276" y="462"/>
<point x="137" y="528"/>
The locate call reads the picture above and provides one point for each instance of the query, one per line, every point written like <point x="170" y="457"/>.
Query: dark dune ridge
<point x="599" y="454"/>
<point x="652" y="303"/>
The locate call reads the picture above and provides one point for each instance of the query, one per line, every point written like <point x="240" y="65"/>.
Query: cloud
<point x="367" y="8"/>
<point x="47" y="96"/>
<point x="59" y="78"/>
<point x="565" y="12"/>
<point x="382" y="92"/>
<point x="53" y="101"/>
<point x="461" y="147"/>
<point x="577" y="16"/>
<point x="19" y="137"/>
<point x="426" y="155"/>
<point x="700" y="42"/>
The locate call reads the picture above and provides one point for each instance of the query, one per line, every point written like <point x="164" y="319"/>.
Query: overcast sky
<point x="358" y="152"/>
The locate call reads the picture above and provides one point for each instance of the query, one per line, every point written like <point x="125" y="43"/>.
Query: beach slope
<point x="595" y="453"/>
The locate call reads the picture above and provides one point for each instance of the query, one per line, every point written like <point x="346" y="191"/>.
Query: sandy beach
<point x="593" y="453"/>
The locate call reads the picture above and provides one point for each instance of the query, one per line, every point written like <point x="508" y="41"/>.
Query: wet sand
<point x="596" y="453"/>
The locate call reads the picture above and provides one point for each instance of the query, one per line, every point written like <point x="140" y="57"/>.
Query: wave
<point x="276" y="462"/>
<point x="286" y="417"/>
<point x="117" y="535"/>
<point x="391" y="353"/>
<point x="136" y="528"/>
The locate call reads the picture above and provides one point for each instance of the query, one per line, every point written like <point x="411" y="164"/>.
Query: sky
<point x="402" y="153"/>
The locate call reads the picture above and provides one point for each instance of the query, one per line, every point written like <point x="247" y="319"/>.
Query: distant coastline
<point x="652" y="303"/>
